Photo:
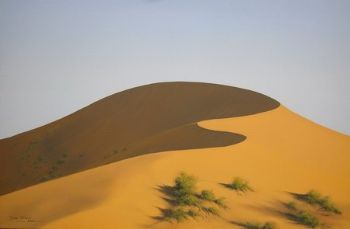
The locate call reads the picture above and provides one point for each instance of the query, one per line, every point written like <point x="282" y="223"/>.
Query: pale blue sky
<point x="59" y="56"/>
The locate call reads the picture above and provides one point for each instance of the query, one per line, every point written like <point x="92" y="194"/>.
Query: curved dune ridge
<point x="284" y="155"/>
<point x="147" y="119"/>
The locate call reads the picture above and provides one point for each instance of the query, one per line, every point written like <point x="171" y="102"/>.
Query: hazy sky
<point x="59" y="56"/>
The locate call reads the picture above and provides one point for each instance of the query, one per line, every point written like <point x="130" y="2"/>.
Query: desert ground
<point x="283" y="154"/>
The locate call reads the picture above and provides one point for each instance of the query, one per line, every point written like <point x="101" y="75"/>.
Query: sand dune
<point x="146" y="119"/>
<point x="283" y="153"/>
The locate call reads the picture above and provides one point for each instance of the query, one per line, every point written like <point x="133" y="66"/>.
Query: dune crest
<point x="147" y="119"/>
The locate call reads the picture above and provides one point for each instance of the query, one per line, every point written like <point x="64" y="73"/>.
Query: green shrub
<point x="324" y="202"/>
<point x="187" y="202"/>
<point x="291" y="206"/>
<point x="240" y="185"/>
<point x="306" y="219"/>
<point x="267" y="225"/>
<point x="208" y="195"/>
<point x="312" y="197"/>
<point x="185" y="184"/>
<point x="302" y="216"/>
<point x="188" y="199"/>
<point x="178" y="214"/>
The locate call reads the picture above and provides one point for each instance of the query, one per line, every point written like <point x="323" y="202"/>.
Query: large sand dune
<point x="152" y="118"/>
<point x="283" y="153"/>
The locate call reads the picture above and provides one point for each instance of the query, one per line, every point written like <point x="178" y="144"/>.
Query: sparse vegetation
<point x="187" y="202"/>
<point x="184" y="190"/>
<point x="240" y="185"/>
<point x="209" y="195"/>
<point x="178" y="214"/>
<point x="267" y="225"/>
<point x="291" y="205"/>
<point x="306" y="219"/>
<point x="324" y="202"/>
<point x="185" y="184"/>
<point x="302" y="216"/>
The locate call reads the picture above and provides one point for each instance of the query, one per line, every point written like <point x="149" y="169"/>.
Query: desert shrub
<point x="240" y="185"/>
<point x="324" y="202"/>
<point x="207" y="195"/>
<point x="306" y="219"/>
<point x="312" y="197"/>
<point x="185" y="190"/>
<point x="267" y="225"/>
<point x="302" y="216"/>
<point x="187" y="202"/>
<point x="185" y="184"/>
<point x="291" y="206"/>
<point x="188" y="199"/>
<point x="178" y="214"/>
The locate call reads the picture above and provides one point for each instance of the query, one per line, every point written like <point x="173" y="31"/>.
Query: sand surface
<point x="283" y="153"/>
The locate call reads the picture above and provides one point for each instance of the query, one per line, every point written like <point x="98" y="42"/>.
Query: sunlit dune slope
<point x="137" y="121"/>
<point x="283" y="154"/>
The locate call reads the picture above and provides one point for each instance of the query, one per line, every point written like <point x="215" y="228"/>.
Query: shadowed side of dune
<point x="186" y="137"/>
<point x="146" y="119"/>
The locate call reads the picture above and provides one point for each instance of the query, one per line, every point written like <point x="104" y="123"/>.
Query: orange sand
<point x="283" y="153"/>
